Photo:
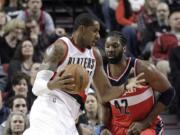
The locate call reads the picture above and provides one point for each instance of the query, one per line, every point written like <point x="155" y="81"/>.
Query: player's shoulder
<point x="145" y="66"/>
<point x="57" y="50"/>
<point x="60" y="45"/>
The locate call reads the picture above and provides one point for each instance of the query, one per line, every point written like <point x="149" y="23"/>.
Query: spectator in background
<point x="23" y="59"/>
<point x="13" y="7"/>
<point x="3" y="79"/>
<point x="133" y="35"/>
<point x="39" y="40"/>
<point x="4" y="111"/>
<point x="3" y="21"/>
<point x="127" y="12"/>
<point x="17" y="104"/>
<point x="20" y="83"/>
<point x="173" y="4"/>
<point x="16" y="124"/>
<point x="108" y="11"/>
<point x="89" y="119"/>
<point x="2" y="4"/>
<point x="167" y="41"/>
<point x="34" y="69"/>
<point x="34" y="12"/>
<point x="155" y="29"/>
<point x="13" y="33"/>
<point x="89" y="122"/>
<point x="148" y="15"/>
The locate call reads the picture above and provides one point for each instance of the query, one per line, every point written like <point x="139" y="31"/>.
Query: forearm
<point x="158" y="108"/>
<point x="113" y="92"/>
<point x="41" y="82"/>
<point x="104" y="114"/>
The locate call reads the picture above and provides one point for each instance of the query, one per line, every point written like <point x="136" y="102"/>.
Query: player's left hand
<point x="135" y="128"/>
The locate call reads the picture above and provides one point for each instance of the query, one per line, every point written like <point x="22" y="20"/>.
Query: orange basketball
<point x="80" y="75"/>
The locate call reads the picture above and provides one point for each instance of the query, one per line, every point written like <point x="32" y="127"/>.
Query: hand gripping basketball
<point x="80" y="75"/>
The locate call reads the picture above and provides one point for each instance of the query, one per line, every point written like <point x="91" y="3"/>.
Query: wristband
<point x="40" y="84"/>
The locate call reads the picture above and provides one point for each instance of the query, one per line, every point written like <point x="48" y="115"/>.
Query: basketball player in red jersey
<point x="57" y="107"/>
<point x="136" y="111"/>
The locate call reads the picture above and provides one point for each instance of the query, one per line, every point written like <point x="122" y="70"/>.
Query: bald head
<point x="162" y="11"/>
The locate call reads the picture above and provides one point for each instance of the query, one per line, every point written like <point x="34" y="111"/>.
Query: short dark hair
<point x="174" y="10"/>
<point x="118" y="35"/>
<point x="12" y="99"/>
<point x="17" y="77"/>
<point x="84" y="19"/>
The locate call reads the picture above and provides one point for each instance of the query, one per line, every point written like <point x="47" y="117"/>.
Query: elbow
<point x="40" y="88"/>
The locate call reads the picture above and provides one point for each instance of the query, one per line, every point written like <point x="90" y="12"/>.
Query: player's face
<point x="113" y="49"/>
<point x="17" y="124"/>
<point x="90" y="35"/>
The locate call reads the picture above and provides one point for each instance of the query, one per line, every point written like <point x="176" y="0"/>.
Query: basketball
<point x="80" y="75"/>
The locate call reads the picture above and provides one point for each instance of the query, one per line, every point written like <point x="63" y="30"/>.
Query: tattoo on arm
<point x="53" y="55"/>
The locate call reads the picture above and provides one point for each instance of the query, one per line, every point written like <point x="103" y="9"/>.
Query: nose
<point x="22" y="86"/>
<point x="111" y="48"/>
<point x="21" y="109"/>
<point x="97" y="36"/>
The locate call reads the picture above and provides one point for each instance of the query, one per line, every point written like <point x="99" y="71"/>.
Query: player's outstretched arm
<point x="105" y="90"/>
<point x="44" y="82"/>
<point x="160" y="83"/>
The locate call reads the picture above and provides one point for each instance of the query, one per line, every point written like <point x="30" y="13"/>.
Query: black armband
<point x="167" y="96"/>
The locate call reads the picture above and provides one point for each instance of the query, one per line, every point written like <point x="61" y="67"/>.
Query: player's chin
<point x="89" y="47"/>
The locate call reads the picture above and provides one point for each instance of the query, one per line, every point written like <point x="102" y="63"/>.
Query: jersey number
<point x="123" y="110"/>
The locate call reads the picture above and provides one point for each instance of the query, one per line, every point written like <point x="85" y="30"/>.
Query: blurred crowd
<point x="152" y="29"/>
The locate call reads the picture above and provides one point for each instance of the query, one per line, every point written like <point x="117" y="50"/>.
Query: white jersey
<point x="55" y="112"/>
<point x="74" y="55"/>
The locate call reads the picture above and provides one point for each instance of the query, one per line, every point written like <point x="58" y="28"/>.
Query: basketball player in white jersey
<point x="57" y="107"/>
<point x="136" y="111"/>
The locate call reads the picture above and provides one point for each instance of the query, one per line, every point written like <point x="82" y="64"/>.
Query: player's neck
<point x="76" y="40"/>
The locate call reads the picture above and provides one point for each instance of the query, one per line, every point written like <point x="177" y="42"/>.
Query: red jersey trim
<point x="135" y="67"/>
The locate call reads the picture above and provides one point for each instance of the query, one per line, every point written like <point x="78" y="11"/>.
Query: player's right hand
<point x="65" y="83"/>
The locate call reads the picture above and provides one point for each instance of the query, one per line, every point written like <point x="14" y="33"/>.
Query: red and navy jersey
<point x="133" y="105"/>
